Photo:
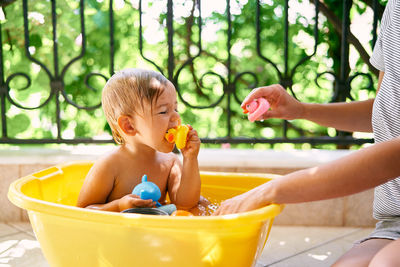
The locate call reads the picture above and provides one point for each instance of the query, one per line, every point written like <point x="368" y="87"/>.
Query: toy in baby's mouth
<point x="256" y="108"/>
<point x="149" y="190"/>
<point x="178" y="135"/>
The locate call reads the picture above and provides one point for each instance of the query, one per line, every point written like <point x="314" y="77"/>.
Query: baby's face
<point x="158" y="118"/>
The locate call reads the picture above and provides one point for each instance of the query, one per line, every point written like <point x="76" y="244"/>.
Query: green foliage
<point x="200" y="83"/>
<point x="18" y="124"/>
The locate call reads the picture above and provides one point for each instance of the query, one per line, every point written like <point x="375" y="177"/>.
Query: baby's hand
<point x="192" y="144"/>
<point x="134" y="201"/>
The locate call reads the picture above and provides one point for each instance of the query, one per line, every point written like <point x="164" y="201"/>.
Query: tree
<point x="211" y="82"/>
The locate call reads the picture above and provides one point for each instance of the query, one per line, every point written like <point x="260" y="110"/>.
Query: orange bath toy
<point x="178" y="135"/>
<point x="181" y="213"/>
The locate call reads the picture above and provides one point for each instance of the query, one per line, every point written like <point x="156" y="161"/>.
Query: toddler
<point x="140" y="106"/>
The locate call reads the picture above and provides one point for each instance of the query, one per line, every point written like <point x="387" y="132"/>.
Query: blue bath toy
<point x="148" y="190"/>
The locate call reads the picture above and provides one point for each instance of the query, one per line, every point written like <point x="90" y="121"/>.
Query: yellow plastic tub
<point x="72" y="237"/>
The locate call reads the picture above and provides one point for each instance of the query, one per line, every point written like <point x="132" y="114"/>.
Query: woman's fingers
<point x="255" y="93"/>
<point x="271" y="93"/>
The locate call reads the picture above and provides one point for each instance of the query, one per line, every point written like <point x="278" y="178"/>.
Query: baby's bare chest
<point x="130" y="176"/>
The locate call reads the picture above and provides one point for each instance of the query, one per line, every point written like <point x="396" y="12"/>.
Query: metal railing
<point x="341" y="80"/>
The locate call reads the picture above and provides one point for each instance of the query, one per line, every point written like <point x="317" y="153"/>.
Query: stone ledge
<point x="348" y="211"/>
<point x="207" y="157"/>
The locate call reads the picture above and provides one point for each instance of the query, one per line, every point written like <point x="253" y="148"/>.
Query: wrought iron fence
<point x="59" y="97"/>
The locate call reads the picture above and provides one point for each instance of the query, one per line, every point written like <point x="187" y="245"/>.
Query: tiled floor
<point x="308" y="246"/>
<point x="18" y="246"/>
<point x="286" y="246"/>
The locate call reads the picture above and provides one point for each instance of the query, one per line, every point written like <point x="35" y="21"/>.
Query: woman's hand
<point x="251" y="200"/>
<point x="134" y="201"/>
<point x="283" y="105"/>
<point x="191" y="150"/>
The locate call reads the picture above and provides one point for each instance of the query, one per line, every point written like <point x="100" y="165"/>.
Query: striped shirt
<point x="386" y="109"/>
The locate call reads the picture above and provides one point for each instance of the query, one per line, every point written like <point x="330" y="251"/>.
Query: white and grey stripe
<point x="386" y="110"/>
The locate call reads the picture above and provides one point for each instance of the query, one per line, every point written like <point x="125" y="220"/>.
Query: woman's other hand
<point x="283" y="105"/>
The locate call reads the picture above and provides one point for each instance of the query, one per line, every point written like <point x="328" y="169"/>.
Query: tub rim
<point x="21" y="200"/>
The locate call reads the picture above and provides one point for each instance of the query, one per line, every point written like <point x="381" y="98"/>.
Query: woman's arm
<point x="353" y="116"/>
<point x="354" y="173"/>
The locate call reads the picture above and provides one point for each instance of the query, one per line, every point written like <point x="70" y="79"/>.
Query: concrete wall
<point x="355" y="210"/>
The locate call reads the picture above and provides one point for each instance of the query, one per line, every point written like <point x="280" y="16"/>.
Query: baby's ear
<point x="125" y="123"/>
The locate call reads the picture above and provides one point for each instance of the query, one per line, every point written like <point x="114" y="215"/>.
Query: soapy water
<point x="205" y="207"/>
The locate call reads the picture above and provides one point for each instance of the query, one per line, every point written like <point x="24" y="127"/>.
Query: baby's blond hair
<point x="125" y="91"/>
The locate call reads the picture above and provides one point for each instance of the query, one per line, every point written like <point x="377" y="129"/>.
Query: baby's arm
<point x="184" y="180"/>
<point x="98" y="185"/>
